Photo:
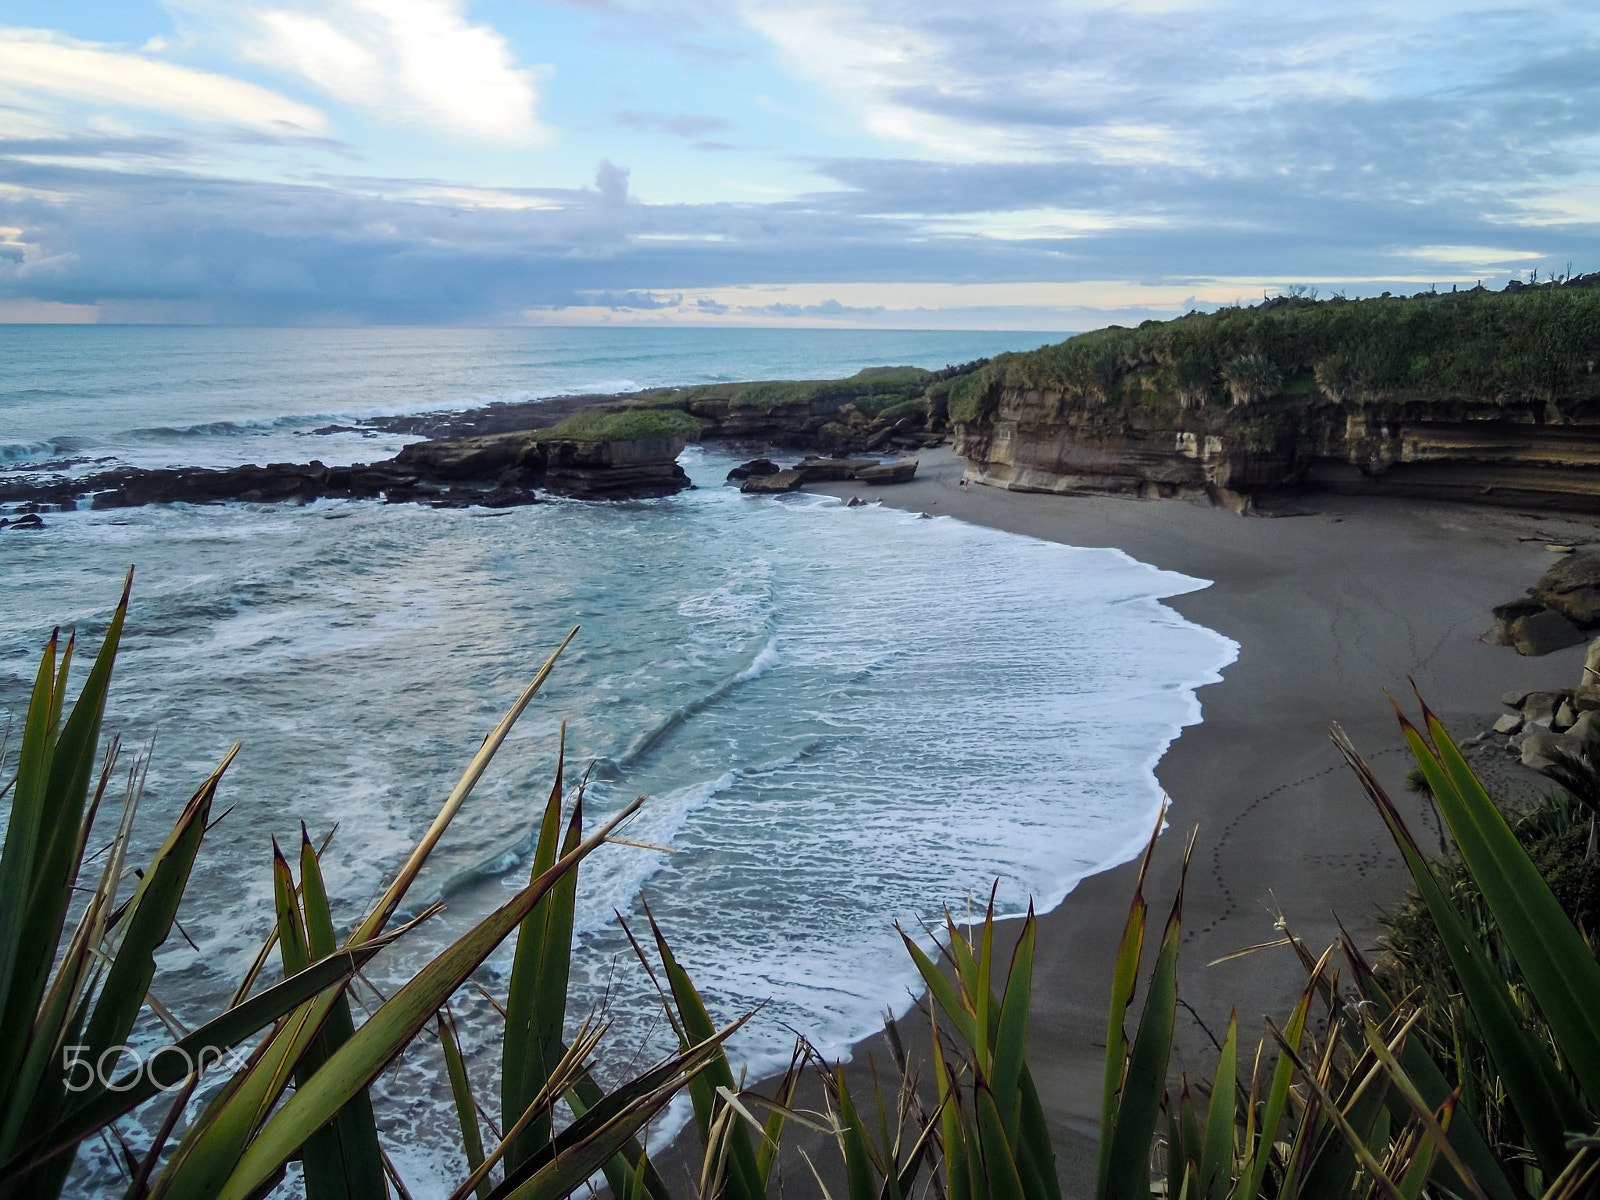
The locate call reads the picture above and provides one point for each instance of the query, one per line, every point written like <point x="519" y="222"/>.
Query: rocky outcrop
<point x="1564" y="602"/>
<point x="817" y="470"/>
<point x="610" y="470"/>
<point x="1572" y="588"/>
<point x="1546" y="725"/>
<point x="498" y="471"/>
<point x="756" y="466"/>
<point x="1531" y="628"/>
<point x="1528" y="456"/>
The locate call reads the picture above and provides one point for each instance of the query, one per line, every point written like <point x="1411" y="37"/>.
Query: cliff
<point x="1482" y="396"/>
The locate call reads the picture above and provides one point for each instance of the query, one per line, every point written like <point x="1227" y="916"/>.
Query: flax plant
<point x="301" y="1090"/>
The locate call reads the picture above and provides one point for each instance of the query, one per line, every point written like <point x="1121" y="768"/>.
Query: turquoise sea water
<point x="842" y="717"/>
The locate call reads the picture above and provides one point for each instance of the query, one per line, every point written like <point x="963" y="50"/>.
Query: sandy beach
<point x="1330" y="607"/>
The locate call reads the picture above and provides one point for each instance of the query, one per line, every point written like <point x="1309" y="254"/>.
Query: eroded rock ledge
<point x="1523" y="455"/>
<point x="498" y="471"/>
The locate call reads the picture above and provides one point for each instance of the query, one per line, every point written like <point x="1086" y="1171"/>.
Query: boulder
<point x="756" y="466"/>
<point x="783" y="481"/>
<point x="1539" y="708"/>
<point x="1542" y="633"/>
<point x="1591" y="664"/>
<point x="1565" y="716"/>
<point x="1515" y="697"/>
<point x="1584" y="728"/>
<point x="30" y="521"/>
<point x="1572" y="588"/>
<point x="1499" y="634"/>
<point x="894" y="472"/>
<point x="1509" y="723"/>
<point x="1586" y="698"/>
<point x="1537" y="749"/>
<point x="833" y="469"/>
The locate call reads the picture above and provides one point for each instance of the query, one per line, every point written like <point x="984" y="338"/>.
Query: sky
<point x="1022" y="164"/>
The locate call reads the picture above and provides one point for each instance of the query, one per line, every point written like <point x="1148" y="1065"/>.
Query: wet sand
<point x="1330" y="608"/>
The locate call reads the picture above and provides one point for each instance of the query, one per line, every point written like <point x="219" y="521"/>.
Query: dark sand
<point x="1329" y="608"/>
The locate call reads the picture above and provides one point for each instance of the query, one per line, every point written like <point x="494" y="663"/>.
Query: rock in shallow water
<point x="755" y="467"/>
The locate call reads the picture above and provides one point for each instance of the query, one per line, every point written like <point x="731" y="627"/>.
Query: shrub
<point x="1525" y="345"/>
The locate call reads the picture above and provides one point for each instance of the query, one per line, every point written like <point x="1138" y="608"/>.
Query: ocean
<point x="843" y="717"/>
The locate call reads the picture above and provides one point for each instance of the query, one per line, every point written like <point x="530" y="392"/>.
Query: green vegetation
<point x="1364" y="1100"/>
<point x="871" y="390"/>
<point x="635" y="424"/>
<point x="1555" y="836"/>
<point x="62" y="1038"/>
<point x="1528" y="344"/>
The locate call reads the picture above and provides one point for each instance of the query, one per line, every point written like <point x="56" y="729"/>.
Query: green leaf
<point x="597" y="1137"/>
<point x="166" y="1070"/>
<point x="1036" y="1159"/>
<point x="630" y="1173"/>
<point x="388" y="1030"/>
<point x="1011" y="1038"/>
<point x="466" y="1106"/>
<point x="999" y="1165"/>
<point x="1558" y="965"/>
<point x="536" y="1005"/>
<point x="1139" y="1104"/>
<point x="982" y="996"/>
<point x="1543" y="1098"/>
<point x="1216" y="1159"/>
<point x="17" y="861"/>
<point x="1124" y="982"/>
<point x="853" y="1144"/>
<point x="772" y="1131"/>
<point x="942" y="991"/>
<point x="1278" y="1095"/>
<point x="343" y="1160"/>
<point x="695" y="1024"/>
<point x="952" y="1125"/>
<point x="38" y="869"/>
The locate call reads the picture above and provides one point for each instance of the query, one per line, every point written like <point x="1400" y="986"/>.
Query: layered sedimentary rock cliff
<point x="1042" y="441"/>
<point x="1475" y="396"/>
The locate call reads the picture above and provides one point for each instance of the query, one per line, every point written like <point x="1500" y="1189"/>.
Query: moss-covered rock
<point x="633" y="425"/>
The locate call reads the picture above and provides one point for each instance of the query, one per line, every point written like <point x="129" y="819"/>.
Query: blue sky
<point x="896" y="163"/>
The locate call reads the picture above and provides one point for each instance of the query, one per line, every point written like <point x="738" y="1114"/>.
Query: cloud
<point x="406" y="62"/>
<point x="684" y="125"/>
<point x="92" y="146"/>
<point x="38" y="61"/>
<point x="630" y="300"/>
<point x="423" y="251"/>
<point x="1394" y="90"/>
<point x="1203" y="151"/>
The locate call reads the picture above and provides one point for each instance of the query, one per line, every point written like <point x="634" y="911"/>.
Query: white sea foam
<point x="843" y="717"/>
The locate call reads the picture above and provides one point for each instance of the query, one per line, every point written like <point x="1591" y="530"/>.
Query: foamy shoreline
<point x="1330" y="608"/>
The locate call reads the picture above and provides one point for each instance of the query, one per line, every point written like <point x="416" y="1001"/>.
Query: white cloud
<point x="416" y="62"/>
<point x="38" y="61"/>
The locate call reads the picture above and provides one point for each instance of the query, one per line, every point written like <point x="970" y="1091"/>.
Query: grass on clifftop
<point x="1525" y="344"/>
<point x="871" y="390"/>
<point x="634" y="425"/>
